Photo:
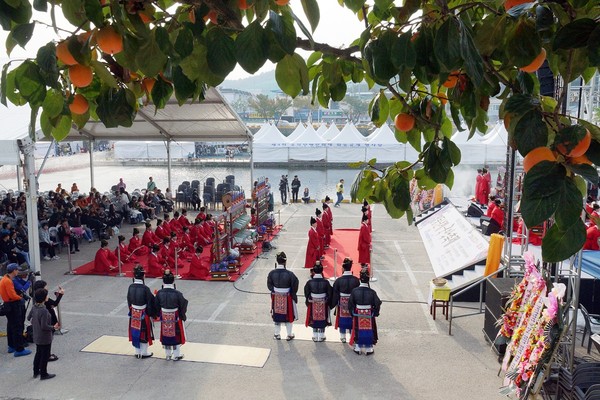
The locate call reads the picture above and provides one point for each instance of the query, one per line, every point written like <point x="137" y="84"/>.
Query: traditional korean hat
<point x="365" y="218"/>
<point x="281" y="257"/>
<point x="347" y="263"/>
<point x="138" y="272"/>
<point x="313" y="220"/>
<point x="318" y="212"/>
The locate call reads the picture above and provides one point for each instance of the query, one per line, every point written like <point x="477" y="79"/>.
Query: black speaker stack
<point x="497" y="293"/>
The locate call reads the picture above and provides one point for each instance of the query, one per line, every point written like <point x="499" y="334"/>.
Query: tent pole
<point x="52" y="145"/>
<point x="169" y="165"/>
<point x="28" y="148"/>
<point x="91" y="150"/>
<point x="19" y="180"/>
<point x="251" y="148"/>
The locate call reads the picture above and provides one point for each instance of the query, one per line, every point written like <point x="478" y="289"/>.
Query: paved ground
<point x="415" y="358"/>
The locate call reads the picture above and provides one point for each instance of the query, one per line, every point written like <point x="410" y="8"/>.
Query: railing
<point x="472" y="285"/>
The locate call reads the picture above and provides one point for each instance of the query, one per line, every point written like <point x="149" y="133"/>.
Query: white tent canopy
<point x="297" y="132"/>
<point x="153" y="150"/>
<point x="309" y="146"/>
<point x="383" y="146"/>
<point x="349" y="145"/>
<point x="322" y="128"/>
<point x="271" y="146"/>
<point x="331" y="132"/>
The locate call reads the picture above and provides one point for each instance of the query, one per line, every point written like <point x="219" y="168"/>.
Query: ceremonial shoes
<point x="343" y="340"/>
<point x="10" y="350"/>
<point x="277" y="337"/>
<point x="49" y="376"/>
<point x="290" y="337"/>
<point x="178" y="358"/>
<point x="147" y="355"/>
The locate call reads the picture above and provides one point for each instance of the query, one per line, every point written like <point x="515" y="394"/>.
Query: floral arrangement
<point x="529" y="325"/>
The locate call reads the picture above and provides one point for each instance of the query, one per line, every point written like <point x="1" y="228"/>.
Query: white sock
<point x="289" y="326"/>
<point x="137" y="350"/>
<point x="168" y="351"/>
<point x="176" y="351"/>
<point x="144" y="349"/>
<point x="357" y="348"/>
<point x="277" y="328"/>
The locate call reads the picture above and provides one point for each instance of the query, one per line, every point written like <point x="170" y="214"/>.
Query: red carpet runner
<point x="346" y="243"/>
<point x="183" y="265"/>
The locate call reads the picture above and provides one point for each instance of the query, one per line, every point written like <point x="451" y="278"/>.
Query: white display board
<point x="452" y="243"/>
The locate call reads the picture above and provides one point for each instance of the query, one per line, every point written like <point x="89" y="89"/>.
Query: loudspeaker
<point x="497" y="293"/>
<point x="489" y="226"/>
<point x="474" y="211"/>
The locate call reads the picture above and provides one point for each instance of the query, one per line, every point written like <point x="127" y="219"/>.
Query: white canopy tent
<point x="383" y="146"/>
<point x="297" y="132"/>
<point x="331" y="132"/>
<point x="471" y="149"/>
<point x="129" y="150"/>
<point x="271" y="146"/>
<point x="308" y="147"/>
<point x="348" y="146"/>
<point x="261" y="131"/>
<point x="322" y="128"/>
<point x="495" y="145"/>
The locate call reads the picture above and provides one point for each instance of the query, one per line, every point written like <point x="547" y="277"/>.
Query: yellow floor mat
<point x="195" y="352"/>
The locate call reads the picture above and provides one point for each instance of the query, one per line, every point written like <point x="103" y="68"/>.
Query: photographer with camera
<point x="22" y="283"/>
<point x="50" y="306"/>
<point x="284" y="188"/>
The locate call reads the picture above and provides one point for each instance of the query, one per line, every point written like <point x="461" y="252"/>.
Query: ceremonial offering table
<point x="439" y="296"/>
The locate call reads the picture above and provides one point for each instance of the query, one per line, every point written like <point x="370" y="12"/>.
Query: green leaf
<point x="587" y="171"/>
<point x="150" y="59"/>
<point x="569" y="137"/>
<point x="161" y="92"/>
<point x="544" y="18"/>
<point x="436" y="164"/>
<point x="530" y="132"/>
<point x="523" y="44"/>
<point x="594" y="47"/>
<point x="283" y="31"/>
<point x="400" y="192"/>
<point x="403" y="52"/>
<point x="220" y="52"/>
<point x="161" y="35"/>
<point x="54" y="103"/>
<point x="520" y="104"/>
<point x="383" y="68"/>
<point x="93" y="11"/>
<point x="74" y="12"/>
<point x="22" y="33"/>
<point x="450" y="180"/>
<point x="311" y="10"/>
<point x="470" y="54"/>
<point x="543" y="186"/>
<point x="57" y="127"/>
<point x="40" y="5"/>
<point x="569" y="203"/>
<point x="581" y="185"/>
<point x="574" y="34"/>
<point x="490" y="34"/>
<point x="3" y="83"/>
<point x="354" y="5"/>
<point x="184" y="88"/>
<point x="116" y="106"/>
<point x="379" y="110"/>
<point x="303" y="28"/>
<point x="593" y="153"/>
<point x="104" y="74"/>
<point x="338" y="91"/>
<point x="559" y="244"/>
<point x="46" y="60"/>
<point x="447" y="44"/>
<point x="291" y="75"/>
<point x="30" y="83"/>
<point x="252" y="47"/>
<point x="455" y="155"/>
<point x="184" y="44"/>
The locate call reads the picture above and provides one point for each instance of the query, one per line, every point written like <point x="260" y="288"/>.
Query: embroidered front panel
<point x="319" y="309"/>
<point x="168" y="323"/>
<point x="136" y="318"/>
<point x="364" y="319"/>
<point x="280" y="303"/>
<point x="344" y="312"/>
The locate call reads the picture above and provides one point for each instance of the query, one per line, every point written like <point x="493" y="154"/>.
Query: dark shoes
<point x="290" y="337"/>
<point x="49" y="376"/>
<point x="24" y="352"/>
<point x="277" y="337"/>
<point x="180" y="357"/>
<point x="53" y="357"/>
<point x="35" y="375"/>
<point x="146" y="355"/>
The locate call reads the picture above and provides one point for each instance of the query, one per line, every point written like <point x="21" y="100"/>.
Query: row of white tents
<point x="330" y="144"/>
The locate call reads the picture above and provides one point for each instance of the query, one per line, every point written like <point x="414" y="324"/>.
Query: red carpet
<point x="183" y="265"/>
<point x="346" y="243"/>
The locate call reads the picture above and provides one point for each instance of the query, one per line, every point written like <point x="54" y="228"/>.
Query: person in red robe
<point x="326" y="218"/>
<point x="201" y="238"/>
<point x="167" y="253"/>
<point x="596" y="211"/>
<point x="591" y="238"/>
<point x="183" y="219"/>
<point x="105" y="261"/>
<point x="486" y="184"/>
<point x="478" y="188"/>
<point x="202" y="214"/>
<point x="534" y="239"/>
<point x="174" y="223"/>
<point x="186" y="242"/>
<point x="167" y="225"/>
<point x="125" y="255"/>
<point x="589" y="206"/>
<point x="498" y="213"/>
<point x="149" y="238"/>
<point x="313" y="252"/>
<point x="208" y="227"/>
<point x="491" y="206"/>
<point x="135" y="244"/>
<point x="199" y="266"/>
<point x="369" y="213"/>
<point x="330" y="213"/>
<point x="364" y="242"/>
<point x="160" y="230"/>
<point x="156" y="264"/>
<point x="320" y="231"/>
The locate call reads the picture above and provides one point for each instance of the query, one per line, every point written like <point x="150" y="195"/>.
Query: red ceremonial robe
<point x="161" y="232"/>
<point x="327" y="227"/>
<point x="175" y="226"/>
<point x="136" y="246"/>
<point x="485" y="186"/>
<point x="149" y="238"/>
<point x="498" y="216"/>
<point x="321" y="232"/>
<point x="199" y="267"/>
<point x="533" y="238"/>
<point x="491" y="206"/>
<point x="183" y="221"/>
<point x="364" y="244"/>
<point x="104" y="260"/>
<point x="330" y="214"/>
<point x="313" y="253"/>
<point x="126" y="256"/>
<point x="155" y="266"/>
<point x="479" y="190"/>
<point x="591" y="239"/>
<point x="167" y="253"/>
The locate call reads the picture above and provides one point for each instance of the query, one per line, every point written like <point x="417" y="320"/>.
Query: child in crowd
<point x="42" y="335"/>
